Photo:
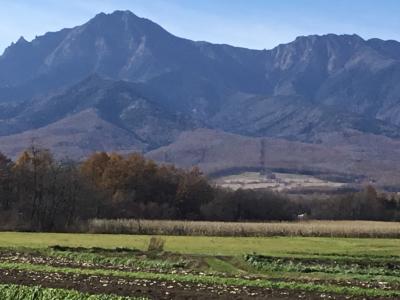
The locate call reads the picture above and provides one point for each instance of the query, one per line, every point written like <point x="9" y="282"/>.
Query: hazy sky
<point x="248" y="23"/>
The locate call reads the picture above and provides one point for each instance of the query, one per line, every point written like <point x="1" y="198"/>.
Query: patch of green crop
<point x="20" y="292"/>
<point x="317" y="265"/>
<point x="111" y="257"/>
<point x="361" y="257"/>
<point x="214" y="280"/>
<point x="117" y="260"/>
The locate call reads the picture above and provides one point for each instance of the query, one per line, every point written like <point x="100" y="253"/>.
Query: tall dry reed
<point x="365" y="229"/>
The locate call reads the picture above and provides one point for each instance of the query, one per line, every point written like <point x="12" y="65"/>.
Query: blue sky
<point x="249" y="23"/>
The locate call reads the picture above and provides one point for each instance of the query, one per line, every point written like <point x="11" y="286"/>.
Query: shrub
<point x="156" y="244"/>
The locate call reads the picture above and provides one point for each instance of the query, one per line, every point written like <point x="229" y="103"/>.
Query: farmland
<point x="275" y="181"/>
<point x="111" y="266"/>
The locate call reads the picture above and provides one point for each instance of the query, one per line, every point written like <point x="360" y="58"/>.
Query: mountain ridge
<point x="148" y="86"/>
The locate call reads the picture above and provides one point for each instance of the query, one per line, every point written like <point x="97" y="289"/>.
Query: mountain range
<point x="320" y="104"/>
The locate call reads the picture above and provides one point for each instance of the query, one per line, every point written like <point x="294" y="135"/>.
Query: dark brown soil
<point x="149" y="288"/>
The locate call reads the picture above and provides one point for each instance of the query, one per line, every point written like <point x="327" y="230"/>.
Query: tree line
<point x="40" y="193"/>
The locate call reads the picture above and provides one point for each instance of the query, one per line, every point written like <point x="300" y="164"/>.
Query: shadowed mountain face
<point x="144" y="86"/>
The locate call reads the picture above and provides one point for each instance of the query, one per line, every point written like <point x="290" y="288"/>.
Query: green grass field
<point x="210" y="245"/>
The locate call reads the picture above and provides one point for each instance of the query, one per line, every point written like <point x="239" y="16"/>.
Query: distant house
<point x="302" y="217"/>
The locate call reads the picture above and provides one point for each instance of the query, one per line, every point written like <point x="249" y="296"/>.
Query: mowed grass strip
<point x="212" y="280"/>
<point x="21" y="292"/>
<point x="211" y="245"/>
<point x="315" y="228"/>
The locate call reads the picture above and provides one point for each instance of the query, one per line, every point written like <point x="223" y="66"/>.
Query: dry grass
<point x="156" y="244"/>
<point x="367" y="229"/>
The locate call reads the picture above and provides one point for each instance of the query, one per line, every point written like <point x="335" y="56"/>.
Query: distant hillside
<point x="349" y="157"/>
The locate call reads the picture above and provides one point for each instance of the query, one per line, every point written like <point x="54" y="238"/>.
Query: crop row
<point x="213" y="280"/>
<point x="285" y="264"/>
<point x="20" y="292"/>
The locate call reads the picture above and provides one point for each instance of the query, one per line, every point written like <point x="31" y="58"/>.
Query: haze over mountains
<point x="322" y="104"/>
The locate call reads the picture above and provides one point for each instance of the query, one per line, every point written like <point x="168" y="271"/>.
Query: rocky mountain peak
<point x="22" y="40"/>
<point x="122" y="22"/>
